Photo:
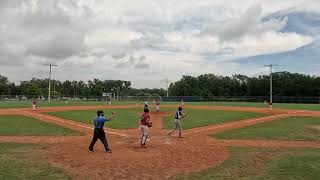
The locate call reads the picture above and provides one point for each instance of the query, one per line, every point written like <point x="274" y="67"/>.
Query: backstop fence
<point x="276" y="99"/>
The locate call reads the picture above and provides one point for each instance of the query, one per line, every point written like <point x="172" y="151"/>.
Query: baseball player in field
<point x="144" y="124"/>
<point x="145" y="106"/>
<point x="158" y="106"/>
<point x="177" y="122"/>
<point x="34" y="104"/>
<point x="99" y="132"/>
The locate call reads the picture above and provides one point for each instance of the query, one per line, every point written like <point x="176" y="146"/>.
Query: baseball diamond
<point x="70" y="154"/>
<point x="159" y="90"/>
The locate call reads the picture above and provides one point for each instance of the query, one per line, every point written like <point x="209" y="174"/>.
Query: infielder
<point x="145" y="106"/>
<point x="158" y="106"/>
<point x="34" y="104"/>
<point x="177" y="122"/>
<point x="99" y="132"/>
<point x="144" y="124"/>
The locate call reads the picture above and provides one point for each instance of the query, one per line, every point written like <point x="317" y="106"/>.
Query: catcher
<point x="145" y="124"/>
<point x="177" y="123"/>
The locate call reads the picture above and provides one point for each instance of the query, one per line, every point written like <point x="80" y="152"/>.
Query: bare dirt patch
<point x="314" y="127"/>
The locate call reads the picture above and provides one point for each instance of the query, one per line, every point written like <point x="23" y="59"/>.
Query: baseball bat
<point x="186" y="114"/>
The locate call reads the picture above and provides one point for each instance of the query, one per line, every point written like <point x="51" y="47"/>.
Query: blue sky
<point x="147" y="41"/>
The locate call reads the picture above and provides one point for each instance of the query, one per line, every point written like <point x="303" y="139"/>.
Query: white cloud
<point x="142" y="41"/>
<point x="248" y="24"/>
<point x="269" y="43"/>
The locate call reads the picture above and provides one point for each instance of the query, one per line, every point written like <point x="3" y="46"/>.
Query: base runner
<point x="99" y="132"/>
<point x="144" y="124"/>
<point x="177" y="122"/>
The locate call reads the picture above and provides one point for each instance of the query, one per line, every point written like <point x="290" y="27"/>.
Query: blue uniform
<point x="99" y="122"/>
<point x="99" y="132"/>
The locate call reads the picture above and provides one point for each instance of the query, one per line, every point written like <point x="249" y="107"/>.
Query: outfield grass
<point x="125" y="118"/>
<point x="23" y="161"/>
<point x="291" y="128"/>
<point x="203" y="117"/>
<point x="27" y="104"/>
<point x="27" y="126"/>
<point x="313" y="107"/>
<point x="258" y="163"/>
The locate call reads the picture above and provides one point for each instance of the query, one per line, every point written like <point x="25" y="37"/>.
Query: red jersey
<point x="158" y="104"/>
<point x="144" y="118"/>
<point x="34" y="103"/>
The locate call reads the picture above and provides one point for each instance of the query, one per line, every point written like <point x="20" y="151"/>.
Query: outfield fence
<point x="276" y="99"/>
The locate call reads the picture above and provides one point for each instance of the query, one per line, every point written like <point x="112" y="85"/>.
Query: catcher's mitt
<point x="149" y="124"/>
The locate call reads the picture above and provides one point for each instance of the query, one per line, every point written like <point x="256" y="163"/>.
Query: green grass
<point x="23" y="161"/>
<point x="292" y="128"/>
<point x="255" y="163"/>
<point x="313" y="107"/>
<point x="27" y="126"/>
<point x="202" y="117"/>
<point x="125" y="118"/>
<point x="27" y="104"/>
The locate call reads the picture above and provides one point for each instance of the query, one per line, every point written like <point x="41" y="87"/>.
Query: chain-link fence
<point x="53" y="98"/>
<point x="276" y="99"/>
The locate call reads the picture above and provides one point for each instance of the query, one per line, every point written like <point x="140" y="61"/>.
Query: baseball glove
<point x="149" y="124"/>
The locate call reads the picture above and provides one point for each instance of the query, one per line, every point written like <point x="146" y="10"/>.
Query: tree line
<point x="284" y="84"/>
<point x="95" y="87"/>
<point x="206" y="85"/>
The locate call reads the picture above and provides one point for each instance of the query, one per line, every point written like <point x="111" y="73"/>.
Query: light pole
<point x="118" y="93"/>
<point x="167" y="85"/>
<point x="49" y="89"/>
<point x="271" y="98"/>
<point x="113" y="93"/>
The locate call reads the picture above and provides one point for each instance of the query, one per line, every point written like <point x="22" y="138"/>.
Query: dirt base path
<point x="164" y="156"/>
<point x="267" y="143"/>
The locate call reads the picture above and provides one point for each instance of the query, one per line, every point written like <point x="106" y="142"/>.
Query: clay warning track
<point x="164" y="156"/>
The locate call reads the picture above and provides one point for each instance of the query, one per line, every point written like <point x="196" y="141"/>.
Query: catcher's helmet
<point x="180" y="108"/>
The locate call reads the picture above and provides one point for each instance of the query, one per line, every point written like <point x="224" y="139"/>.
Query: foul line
<point x="67" y="122"/>
<point x="236" y="123"/>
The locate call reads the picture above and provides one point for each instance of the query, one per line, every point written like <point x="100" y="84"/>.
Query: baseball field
<point x="222" y="140"/>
